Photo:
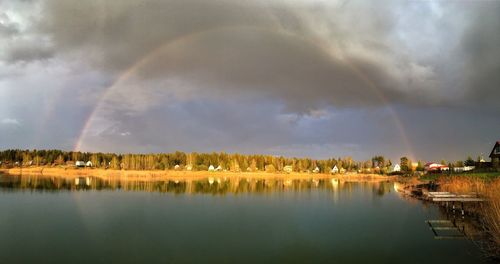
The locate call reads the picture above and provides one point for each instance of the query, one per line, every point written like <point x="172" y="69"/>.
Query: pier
<point x="451" y="197"/>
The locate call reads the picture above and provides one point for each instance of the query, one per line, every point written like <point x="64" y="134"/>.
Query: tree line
<point x="202" y="161"/>
<point x="179" y="160"/>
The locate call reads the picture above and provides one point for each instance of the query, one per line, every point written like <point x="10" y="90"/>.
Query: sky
<point x="320" y="79"/>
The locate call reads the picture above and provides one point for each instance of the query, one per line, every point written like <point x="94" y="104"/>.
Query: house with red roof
<point x="435" y="167"/>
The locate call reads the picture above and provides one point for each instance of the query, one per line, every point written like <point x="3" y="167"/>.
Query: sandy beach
<point x="178" y="175"/>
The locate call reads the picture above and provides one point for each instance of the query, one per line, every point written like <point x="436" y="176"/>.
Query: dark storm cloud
<point x="115" y="34"/>
<point x="251" y="47"/>
<point x="481" y="49"/>
<point x="309" y="55"/>
<point x="271" y="64"/>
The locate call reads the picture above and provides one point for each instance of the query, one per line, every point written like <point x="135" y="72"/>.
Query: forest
<point x="181" y="160"/>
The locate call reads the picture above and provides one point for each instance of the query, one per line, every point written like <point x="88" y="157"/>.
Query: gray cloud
<point x="482" y="53"/>
<point x="24" y="51"/>
<point x="10" y="122"/>
<point x="308" y="55"/>
<point x="219" y="71"/>
<point x="7" y="29"/>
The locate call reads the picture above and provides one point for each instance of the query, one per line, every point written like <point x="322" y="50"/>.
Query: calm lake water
<point x="88" y="220"/>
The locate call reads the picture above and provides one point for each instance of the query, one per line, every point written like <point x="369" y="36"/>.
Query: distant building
<point x="176" y="167"/>
<point x="495" y="155"/>
<point x="334" y="170"/>
<point x="434" y="167"/>
<point x="288" y="169"/>
<point x="89" y="164"/>
<point x="463" y="169"/>
<point x="394" y="168"/>
<point x="316" y="170"/>
<point x="219" y="168"/>
<point x="189" y="167"/>
<point x="211" y="168"/>
<point x="80" y="164"/>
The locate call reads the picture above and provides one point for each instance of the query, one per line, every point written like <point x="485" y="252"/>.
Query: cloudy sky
<point x="419" y="78"/>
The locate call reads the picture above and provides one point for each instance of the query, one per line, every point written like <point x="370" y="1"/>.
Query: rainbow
<point x="154" y="54"/>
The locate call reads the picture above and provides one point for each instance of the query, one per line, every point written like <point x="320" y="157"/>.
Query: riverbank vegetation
<point x="487" y="187"/>
<point x="487" y="176"/>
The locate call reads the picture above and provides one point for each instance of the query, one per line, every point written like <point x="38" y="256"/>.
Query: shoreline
<point x="70" y="172"/>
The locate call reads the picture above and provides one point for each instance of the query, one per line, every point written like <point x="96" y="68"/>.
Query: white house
<point x="288" y="169"/>
<point x="394" y="168"/>
<point x="316" y="170"/>
<point x="334" y="169"/>
<point x="176" y="167"/>
<point x="463" y="169"/>
<point x="80" y="163"/>
<point x="211" y="168"/>
<point x="219" y="168"/>
<point x="469" y="168"/>
<point x="89" y="164"/>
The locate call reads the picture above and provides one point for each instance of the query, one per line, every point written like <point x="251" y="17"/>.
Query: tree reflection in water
<point x="209" y="185"/>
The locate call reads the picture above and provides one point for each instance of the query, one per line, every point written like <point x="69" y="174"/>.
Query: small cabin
<point x="219" y="168"/>
<point x="316" y="170"/>
<point x="288" y="169"/>
<point x="79" y="164"/>
<point x="464" y="168"/>
<point x="394" y="168"/>
<point x="177" y="167"/>
<point x="334" y="170"/>
<point x="89" y="164"/>
<point x="211" y="168"/>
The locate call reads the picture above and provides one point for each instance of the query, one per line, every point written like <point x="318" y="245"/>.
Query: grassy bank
<point x="174" y="174"/>
<point x="486" y="186"/>
<point x="487" y="176"/>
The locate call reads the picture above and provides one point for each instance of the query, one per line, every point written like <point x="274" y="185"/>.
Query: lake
<point x="214" y="220"/>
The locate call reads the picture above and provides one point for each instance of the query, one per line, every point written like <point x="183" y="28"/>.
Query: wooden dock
<point x="446" y="229"/>
<point x="451" y="197"/>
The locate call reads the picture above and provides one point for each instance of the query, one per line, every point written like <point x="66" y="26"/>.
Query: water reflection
<point x="209" y="185"/>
